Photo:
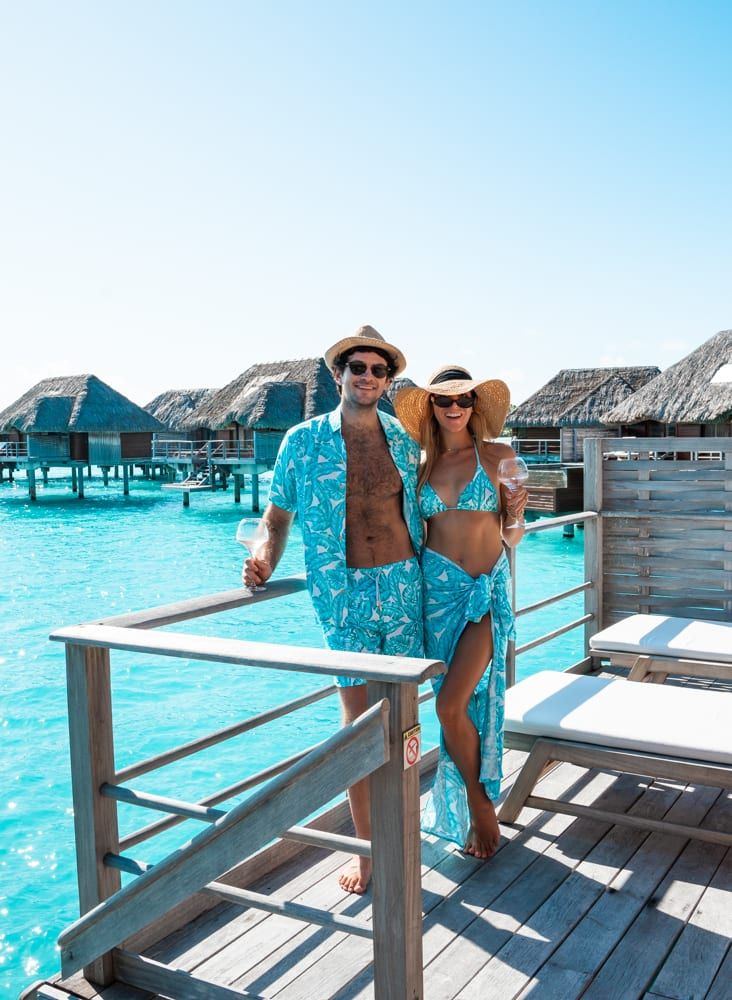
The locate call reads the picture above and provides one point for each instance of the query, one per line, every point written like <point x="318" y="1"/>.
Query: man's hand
<point x="255" y="572"/>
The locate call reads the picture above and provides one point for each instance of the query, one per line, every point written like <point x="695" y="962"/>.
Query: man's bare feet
<point x="484" y="835"/>
<point x="357" y="876"/>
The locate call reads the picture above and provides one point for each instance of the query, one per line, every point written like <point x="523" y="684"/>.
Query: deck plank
<point x="511" y="916"/>
<point x="447" y="921"/>
<point x="720" y="987"/>
<point x="697" y="955"/>
<point x="621" y="894"/>
<point x="512" y="968"/>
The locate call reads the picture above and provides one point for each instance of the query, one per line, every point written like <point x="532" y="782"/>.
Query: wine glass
<point x="252" y="533"/>
<point x="512" y="472"/>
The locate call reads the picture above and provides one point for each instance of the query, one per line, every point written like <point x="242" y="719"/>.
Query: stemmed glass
<point x="252" y="533"/>
<point x="512" y="472"/>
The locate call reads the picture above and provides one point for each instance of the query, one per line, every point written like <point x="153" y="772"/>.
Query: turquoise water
<point x="67" y="561"/>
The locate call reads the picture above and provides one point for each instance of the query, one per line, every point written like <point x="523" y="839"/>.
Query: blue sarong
<point x="452" y="598"/>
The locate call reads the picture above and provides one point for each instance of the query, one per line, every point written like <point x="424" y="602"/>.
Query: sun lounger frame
<point x="544" y="751"/>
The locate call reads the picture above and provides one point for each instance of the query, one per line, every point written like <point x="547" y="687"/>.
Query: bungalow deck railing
<point x="13" y="449"/>
<point x="201" y="451"/>
<point x="210" y="865"/>
<point x="549" y="448"/>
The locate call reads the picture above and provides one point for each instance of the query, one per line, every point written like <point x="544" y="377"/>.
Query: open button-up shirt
<point x="309" y="479"/>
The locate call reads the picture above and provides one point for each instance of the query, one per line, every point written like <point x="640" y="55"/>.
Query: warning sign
<point x="412" y="743"/>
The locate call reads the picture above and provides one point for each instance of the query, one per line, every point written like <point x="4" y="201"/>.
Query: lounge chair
<point x="671" y="732"/>
<point x="656" y="645"/>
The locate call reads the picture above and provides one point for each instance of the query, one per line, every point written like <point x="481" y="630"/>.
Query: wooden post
<point x="74" y="485"/>
<point x="81" y="482"/>
<point x="116" y="472"/>
<point x="44" y="473"/>
<point x="186" y="498"/>
<point x="105" y="475"/>
<point x="255" y="493"/>
<point x="92" y="763"/>
<point x="511" y="648"/>
<point x="237" y="487"/>
<point x="125" y="481"/>
<point x="31" y="482"/>
<point x="395" y="846"/>
<point x="593" y="537"/>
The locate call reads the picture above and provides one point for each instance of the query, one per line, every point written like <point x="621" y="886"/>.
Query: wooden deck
<point x="567" y="908"/>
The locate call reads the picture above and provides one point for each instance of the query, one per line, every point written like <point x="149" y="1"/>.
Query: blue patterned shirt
<point x="309" y="479"/>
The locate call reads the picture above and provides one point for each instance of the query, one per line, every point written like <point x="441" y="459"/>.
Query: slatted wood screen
<point x="666" y="526"/>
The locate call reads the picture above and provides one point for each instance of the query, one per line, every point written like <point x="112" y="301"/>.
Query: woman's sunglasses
<point x="360" y="368"/>
<point x="464" y="402"/>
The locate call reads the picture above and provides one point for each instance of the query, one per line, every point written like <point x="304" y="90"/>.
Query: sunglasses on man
<point x="360" y="368"/>
<point x="464" y="401"/>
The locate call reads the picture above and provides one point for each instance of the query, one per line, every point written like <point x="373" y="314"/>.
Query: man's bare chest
<point x="370" y="468"/>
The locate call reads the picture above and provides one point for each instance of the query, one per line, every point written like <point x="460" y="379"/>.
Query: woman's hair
<point x="430" y="437"/>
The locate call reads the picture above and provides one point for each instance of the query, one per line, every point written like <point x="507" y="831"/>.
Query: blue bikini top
<point x="478" y="494"/>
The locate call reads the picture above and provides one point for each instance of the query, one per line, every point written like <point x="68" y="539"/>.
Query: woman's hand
<point x="514" y="501"/>
<point x="255" y="572"/>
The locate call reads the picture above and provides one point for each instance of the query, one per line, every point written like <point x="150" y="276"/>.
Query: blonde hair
<point x="429" y="437"/>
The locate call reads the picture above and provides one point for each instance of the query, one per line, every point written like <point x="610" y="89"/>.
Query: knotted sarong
<point x="452" y="598"/>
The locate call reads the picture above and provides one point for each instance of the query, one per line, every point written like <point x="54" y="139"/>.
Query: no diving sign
<point x="412" y="744"/>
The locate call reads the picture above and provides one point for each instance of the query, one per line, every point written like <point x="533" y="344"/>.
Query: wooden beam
<point x="365" y="666"/>
<point x="395" y="845"/>
<point x="207" y="604"/>
<point x="92" y="763"/>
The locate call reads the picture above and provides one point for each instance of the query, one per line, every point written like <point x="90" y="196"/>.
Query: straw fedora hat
<point x="412" y="405"/>
<point x="366" y="338"/>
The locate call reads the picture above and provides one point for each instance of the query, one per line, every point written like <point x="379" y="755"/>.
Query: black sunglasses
<point x="465" y="401"/>
<point x="360" y="368"/>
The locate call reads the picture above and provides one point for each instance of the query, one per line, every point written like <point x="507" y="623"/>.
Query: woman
<point x="467" y="606"/>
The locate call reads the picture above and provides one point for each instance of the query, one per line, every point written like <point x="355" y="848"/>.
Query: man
<point x="351" y="476"/>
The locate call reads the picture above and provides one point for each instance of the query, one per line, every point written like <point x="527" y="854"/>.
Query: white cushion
<point x="664" y="719"/>
<point x="681" y="638"/>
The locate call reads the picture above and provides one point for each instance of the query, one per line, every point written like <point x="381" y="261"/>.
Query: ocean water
<point x="66" y="561"/>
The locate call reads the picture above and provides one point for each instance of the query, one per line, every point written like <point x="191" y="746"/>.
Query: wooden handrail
<point x="267" y="655"/>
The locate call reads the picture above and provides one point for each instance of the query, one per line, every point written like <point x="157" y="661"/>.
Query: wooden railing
<point x="549" y="448"/>
<point x="373" y="745"/>
<point x="590" y="587"/>
<point x="201" y="451"/>
<point x="13" y="449"/>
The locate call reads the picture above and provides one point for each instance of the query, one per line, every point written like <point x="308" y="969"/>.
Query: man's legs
<point x="356" y="877"/>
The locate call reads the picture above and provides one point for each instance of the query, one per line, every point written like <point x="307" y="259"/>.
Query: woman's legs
<point x="462" y="741"/>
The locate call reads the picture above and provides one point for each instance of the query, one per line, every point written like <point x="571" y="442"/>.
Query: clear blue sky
<point x="188" y="188"/>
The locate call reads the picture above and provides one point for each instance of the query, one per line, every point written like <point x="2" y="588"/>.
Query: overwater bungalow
<point x="692" y="398"/>
<point x="245" y="422"/>
<point x="613" y="877"/>
<point x="175" y="409"/>
<point x="552" y="424"/>
<point x="75" y="422"/>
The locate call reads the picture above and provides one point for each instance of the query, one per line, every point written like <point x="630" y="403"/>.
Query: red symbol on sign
<point x="411" y="751"/>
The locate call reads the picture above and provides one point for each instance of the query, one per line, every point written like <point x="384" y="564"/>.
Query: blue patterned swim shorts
<point x="384" y="613"/>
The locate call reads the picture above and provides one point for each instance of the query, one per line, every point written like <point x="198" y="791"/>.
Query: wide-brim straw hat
<point x="366" y="339"/>
<point x="412" y="404"/>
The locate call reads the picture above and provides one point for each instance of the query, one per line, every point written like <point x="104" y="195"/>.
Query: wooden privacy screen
<point x="666" y="533"/>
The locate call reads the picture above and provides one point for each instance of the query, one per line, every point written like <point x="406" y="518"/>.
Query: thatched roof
<point x="273" y="396"/>
<point x="76" y="404"/>
<point x="174" y="407"/>
<point x="579" y="397"/>
<point x="684" y="393"/>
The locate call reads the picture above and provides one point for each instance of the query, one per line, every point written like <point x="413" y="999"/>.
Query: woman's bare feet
<point x="357" y="876"/>
<point x="484" y="834"/>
